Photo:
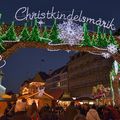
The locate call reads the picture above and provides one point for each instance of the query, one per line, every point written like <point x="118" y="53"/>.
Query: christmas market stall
<point x="34" y="91"/>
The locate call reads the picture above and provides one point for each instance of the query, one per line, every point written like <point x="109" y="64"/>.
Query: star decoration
<point x="41" y="23"/>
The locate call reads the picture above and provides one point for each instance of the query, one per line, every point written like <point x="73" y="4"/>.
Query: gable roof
<point x="44" y="76"/>
<point x="37" y="78"/>
<point x="60" y="70"/>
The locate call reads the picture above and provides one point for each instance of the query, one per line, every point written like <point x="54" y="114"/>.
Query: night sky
<point x="26" y="62"/>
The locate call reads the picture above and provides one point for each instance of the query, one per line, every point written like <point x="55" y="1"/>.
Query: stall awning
<point x="56" y="94"/>
<point x="85" y="98"/>
<point x="5" y="97"/>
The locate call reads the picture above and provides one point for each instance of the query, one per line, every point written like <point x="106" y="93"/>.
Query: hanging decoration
<point x="3" y="62"/>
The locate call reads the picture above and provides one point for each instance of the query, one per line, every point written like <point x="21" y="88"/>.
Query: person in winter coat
<point x="111" y="113"/>
<point x="45" y="113"/>
<point x="20" y="112"/>
<point x="92" y="114"/>
<point x="3" y="106"/>
<point x="79" y="116"/>
<point x="33" y="112"/>
<point x="70" y="112"/>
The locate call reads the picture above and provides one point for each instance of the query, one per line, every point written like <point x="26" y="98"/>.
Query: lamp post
<point x="2" y="88"/>
<point x="0" y="15"/>
<point x="1" y="76"/>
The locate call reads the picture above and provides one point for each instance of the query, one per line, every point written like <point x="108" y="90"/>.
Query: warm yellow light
<point x="37" y="83"/>
<point x="74" y="98"/>
<point x="25" y="91"/>
<point x="81" y="103"/>
<point x="64" y="104"/>
<point x="91" y="103"/>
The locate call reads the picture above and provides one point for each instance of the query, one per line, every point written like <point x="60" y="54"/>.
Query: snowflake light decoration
<point x="71" y="33"/>
<point x="41" y="91"/>
<point x="112" y="48"/>
<point x="106" y="55"/>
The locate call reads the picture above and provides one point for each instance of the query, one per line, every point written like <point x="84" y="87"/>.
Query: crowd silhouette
<point x="22" y="111"/>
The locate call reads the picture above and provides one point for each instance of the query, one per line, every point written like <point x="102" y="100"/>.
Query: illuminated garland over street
<point x="66" y="33"/>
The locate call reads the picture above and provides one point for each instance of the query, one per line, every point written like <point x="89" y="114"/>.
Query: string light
<point x="4" y="62"/>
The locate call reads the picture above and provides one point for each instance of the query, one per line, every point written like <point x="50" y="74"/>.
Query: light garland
<point x="106" y="55"/>
<point x="4" y="62"/>
<point x="100" y="48"/>
<point x="53" y="50"/>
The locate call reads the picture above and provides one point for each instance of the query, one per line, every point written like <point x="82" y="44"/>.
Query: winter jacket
<point x="22" y="115"/>
<point x="92" y="114"/>
<point x="79" y="117"/>
<point x="70" y="113"/>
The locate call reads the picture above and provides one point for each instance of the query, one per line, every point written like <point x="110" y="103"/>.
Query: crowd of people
<point x="21" y="111"/>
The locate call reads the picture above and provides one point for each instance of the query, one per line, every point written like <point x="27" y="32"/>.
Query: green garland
<point x="98" y="40"/>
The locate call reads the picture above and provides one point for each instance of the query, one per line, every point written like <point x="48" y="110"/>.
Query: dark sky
<point x="106" y="9"/>
<point x="26" y="62"/>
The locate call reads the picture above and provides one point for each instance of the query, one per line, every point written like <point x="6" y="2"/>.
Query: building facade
<point x="58" y="79"/>
<point x="2" y="88"/>
<point x="85" y="71"/>
<point x="81" y="74"/>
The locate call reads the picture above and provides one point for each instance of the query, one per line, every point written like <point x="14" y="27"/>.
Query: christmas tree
<point x="99" y="38"/>
<point x="54" y="34"/>
<point x="104" y="38"/>
<point x="0" y="30"/>
<point x="86" y="41"/>
<point x="93" y="41"/>
<point x="45" y="35"/>
<point x="10" y="34"/>
<point x="24" y="34"/>
<point x="112" y="39"/>
<point x="1" y="45"/>
<point x="35" y="33"/>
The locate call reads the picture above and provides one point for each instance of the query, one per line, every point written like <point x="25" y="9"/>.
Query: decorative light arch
<point x="66" y="36"/>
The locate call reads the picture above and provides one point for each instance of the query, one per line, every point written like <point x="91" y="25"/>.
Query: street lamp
<point x="0" y="15"/>
<point x="1" y="76"/>
<point x="2" y="88"/>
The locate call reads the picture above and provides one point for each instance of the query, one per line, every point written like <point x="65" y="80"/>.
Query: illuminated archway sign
<point x="66" y="36"/>
<point x="25" y="14"/>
